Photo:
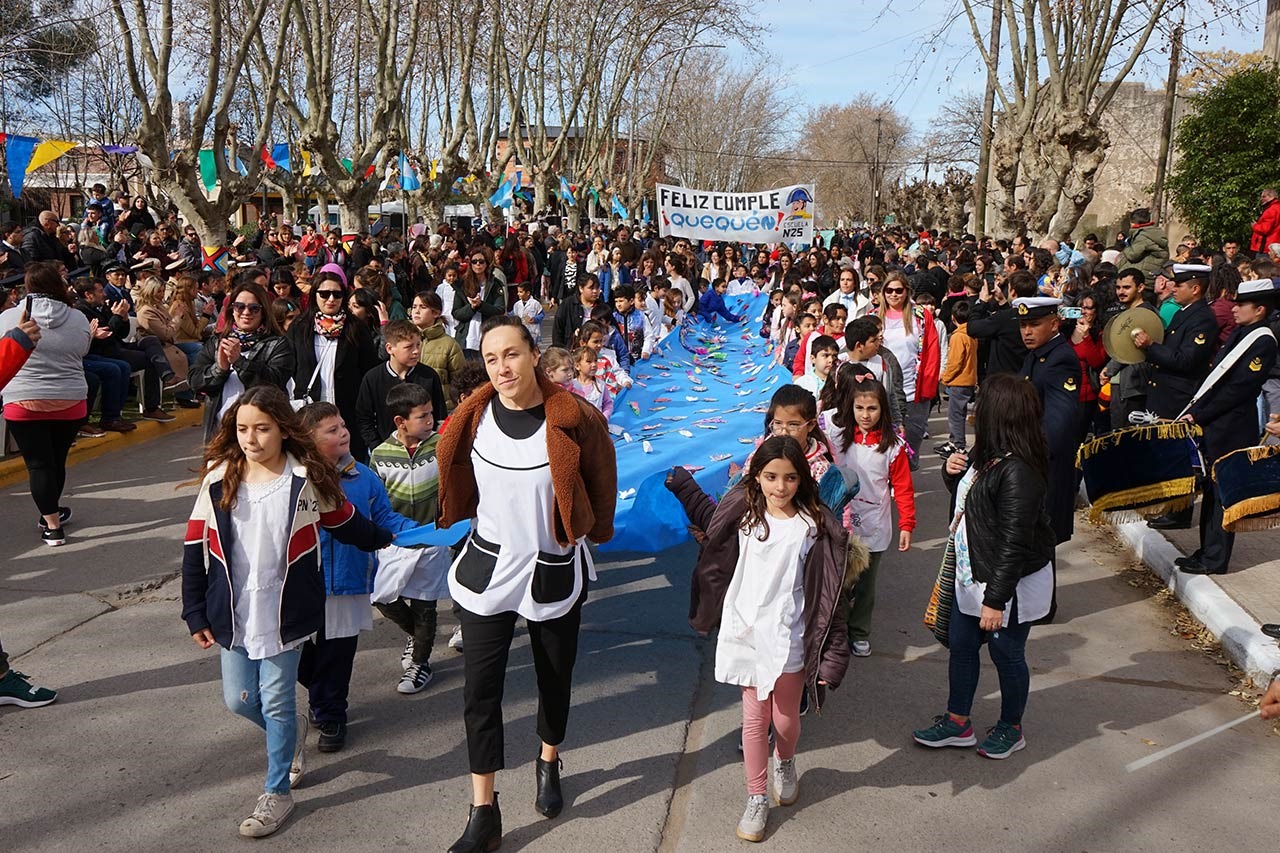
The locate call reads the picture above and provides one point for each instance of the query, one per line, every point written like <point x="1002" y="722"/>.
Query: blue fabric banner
<point x="17" y="154"/>
<point x="700" y="401"/>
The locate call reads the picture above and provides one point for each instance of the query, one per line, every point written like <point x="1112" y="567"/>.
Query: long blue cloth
<point x="700" y="401"/>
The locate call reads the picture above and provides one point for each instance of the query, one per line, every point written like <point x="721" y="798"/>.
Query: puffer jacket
<point x="826" y="642"/>
<point x="348" y="569"/>
<point x="1008" y="527"/>
<point x="1148" y="250"/>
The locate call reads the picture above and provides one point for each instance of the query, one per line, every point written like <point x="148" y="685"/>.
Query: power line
<point x="789" y="159"/>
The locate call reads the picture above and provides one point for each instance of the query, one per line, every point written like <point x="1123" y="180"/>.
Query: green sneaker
<point x="16" y="689"/>
<point x="1002" y="741"/>
<point x="945" y="732"/>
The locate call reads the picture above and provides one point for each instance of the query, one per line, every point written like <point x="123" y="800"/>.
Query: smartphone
<point x="1070" y="312"/>
<point x="27" y="307"/>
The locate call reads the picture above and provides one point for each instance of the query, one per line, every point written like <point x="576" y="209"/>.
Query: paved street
<point x="139" y="753"/>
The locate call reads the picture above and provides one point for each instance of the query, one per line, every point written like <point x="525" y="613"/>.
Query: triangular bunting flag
<point x="17" y="154"/>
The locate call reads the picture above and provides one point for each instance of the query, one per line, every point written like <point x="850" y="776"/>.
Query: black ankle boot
<point x="484" y="830"/>
<point x="549" y="801"/>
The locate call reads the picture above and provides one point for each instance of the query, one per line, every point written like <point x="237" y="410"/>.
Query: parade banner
<point x="781" y="215"/>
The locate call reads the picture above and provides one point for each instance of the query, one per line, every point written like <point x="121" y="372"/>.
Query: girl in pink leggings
<point x="770" y="577"/>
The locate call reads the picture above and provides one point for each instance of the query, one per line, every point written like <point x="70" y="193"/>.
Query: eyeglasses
<point x="246" y="308"/>
<point x="787" y="426"/>
<point x="328" y="294"/>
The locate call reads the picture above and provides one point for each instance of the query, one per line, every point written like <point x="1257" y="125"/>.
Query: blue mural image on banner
<point x="700" y="401"/>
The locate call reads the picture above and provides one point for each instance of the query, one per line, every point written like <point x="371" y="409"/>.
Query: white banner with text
<point x="781" y="215"/>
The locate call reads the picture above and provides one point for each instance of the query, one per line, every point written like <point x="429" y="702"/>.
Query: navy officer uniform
<point x="1054" y="370"/>
<point x="1228" y="415"/>
<point x="1181" y="362"/>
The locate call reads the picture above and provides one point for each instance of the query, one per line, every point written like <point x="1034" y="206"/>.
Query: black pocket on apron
<point x="553" y="577"/>
<point x="476" y="565"/>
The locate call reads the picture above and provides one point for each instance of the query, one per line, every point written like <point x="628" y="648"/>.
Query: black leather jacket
<point x="1008" y="527"/>
<point x="270" y="361"/>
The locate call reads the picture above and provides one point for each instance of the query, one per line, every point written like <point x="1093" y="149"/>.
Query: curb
<point x="1239" y="633"/>
<point x="14" y="470"/>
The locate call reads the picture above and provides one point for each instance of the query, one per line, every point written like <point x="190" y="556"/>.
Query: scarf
<point x="330" y="325"/>
<point x="248" y="340"/>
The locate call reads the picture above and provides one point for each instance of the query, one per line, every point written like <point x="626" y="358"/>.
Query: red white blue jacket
<point x="208" y="599"/>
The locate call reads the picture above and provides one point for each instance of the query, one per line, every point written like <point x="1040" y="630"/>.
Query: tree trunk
<point x="353" y="215"/>
<point x="575" y="217"/>
<point x="541" y="198"/>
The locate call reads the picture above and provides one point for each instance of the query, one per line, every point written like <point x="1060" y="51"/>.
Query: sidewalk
<point x="1233" y="606"/>
<point x="13" y="470"/>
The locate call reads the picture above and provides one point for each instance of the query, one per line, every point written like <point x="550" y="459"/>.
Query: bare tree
<point x="1067" y="62"/>
<point x="155" y="65"/>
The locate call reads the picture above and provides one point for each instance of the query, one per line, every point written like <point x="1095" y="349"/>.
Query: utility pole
<point x="875" y="178"/>
<point x="1166" y="124"/>
<point x="985" y="134"/>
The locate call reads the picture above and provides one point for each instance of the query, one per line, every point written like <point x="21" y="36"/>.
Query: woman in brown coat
<point x="154" y="319"/>
<point x="533" y="466"/>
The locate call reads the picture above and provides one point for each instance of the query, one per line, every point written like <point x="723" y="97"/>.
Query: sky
<point x="830" y="50"/>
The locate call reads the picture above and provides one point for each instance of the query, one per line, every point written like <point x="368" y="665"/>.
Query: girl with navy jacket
<point x="251" y="575"/>
<point x="325" y="667"/>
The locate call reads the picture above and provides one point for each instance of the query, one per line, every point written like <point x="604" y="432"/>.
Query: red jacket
<point x="1092" y="356"/>
<point x="15" y="349"/>
<point x="929" y="369"/>
<point x="1267" y="229"/>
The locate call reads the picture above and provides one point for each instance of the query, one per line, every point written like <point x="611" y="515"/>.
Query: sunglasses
<point x="478" y="261"/>
<point x="329" y="294"/>
<point x="894" y="290"/>
<point x="246" y="308"/>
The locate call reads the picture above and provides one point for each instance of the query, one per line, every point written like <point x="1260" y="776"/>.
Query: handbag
<point x="937" y="615"/>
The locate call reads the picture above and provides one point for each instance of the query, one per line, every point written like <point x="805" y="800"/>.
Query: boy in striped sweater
<point x="411" y="580"/>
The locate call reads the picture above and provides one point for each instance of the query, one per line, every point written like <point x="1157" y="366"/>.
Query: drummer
<point x="1053" y="368"/>
<point x="1228" y="413"/>
<point x="1128" y="381"/>
<point x="1181" y="362"/>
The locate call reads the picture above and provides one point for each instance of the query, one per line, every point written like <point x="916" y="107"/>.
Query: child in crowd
<point x="445" y="290"/>
<point x="632" y="328"/>
<point x="599" y="336"/>
<point x="266" y="485"/>
<point x="529" y="310"/>
<point x="403" y="344"/>
<point x="769" y="578"/>
<point x="326" y="663"/>
<point x="782" y="330"/>
<point x="673" y="313"/>
<point x="410" y="581"/>
<point x="469" y="377"/>
<point x="440" y="351"/>
<point x="585" y="383"/>
<point x="771" y="309"/>
<point x="557" y="363"/>
<point x="864" y="443"/>
<point x="823" y="358"/>
<point x="741" y="284"/>
<point x="712" y="303"/>
<point x="804" y="327"/>
<point x="961" y="373"/>
<point x="655" y="302"/>
<point x="834" y="318"/>
<point x="864" y="340"/>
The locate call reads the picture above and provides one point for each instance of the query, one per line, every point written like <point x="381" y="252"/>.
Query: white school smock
<point x="905" y="348"/>
<point x="512" y="561"/>
<point x="260" y="524"/>
<point x="762" y="623"/>
<point x="870" y="512"/>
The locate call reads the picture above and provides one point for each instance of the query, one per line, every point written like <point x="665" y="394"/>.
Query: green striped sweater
<point x="413" y="482"/>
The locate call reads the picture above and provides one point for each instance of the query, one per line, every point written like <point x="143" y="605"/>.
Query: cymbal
<point x="1117" y="335"/>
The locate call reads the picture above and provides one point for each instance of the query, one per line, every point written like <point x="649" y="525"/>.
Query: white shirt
<point x="445" y="291"/>
<point x="682" y="284"/>
<point x="513" y="533"/>
<point x="741" y="286"/>
<point x="528" y="310"/>
<point x="346" y="615"/>
<point x="870" y="512"/>
<point x="856" y="303"/>
<point x="762" y="624"/>
<point x="260" y="524"/>
<point x="231" y="391"/>
<point x="906" y="349"/>
<point x="327" y="362"/>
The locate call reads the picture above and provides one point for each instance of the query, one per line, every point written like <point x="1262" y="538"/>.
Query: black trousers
<point x="486" y="643"/>
<point x="1215" y="543"/>
<point x="44" y="446"/>
<point x="325" y="670"/>
<point x="417" y="619"/>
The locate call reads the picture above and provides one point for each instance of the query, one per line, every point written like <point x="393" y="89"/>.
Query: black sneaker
<point x="53" y="538"/>
<point x="333" y="736"/>
<point x="64" y="515"/>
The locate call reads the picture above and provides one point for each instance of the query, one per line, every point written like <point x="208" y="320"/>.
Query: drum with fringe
<point x="1248" y="482"/>
<point x="1141" y="471"/>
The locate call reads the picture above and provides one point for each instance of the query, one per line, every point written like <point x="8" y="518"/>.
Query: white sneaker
<point x="786" y="786"/>
<point x="455" y="642"/>
<point x="268" y="815"/>
<point x="298" y="767"/>
<point x="416" y="677"/>
<point x="406" y="657"/>
<point x="860" y="649"/>
<point x="751" y="827"/>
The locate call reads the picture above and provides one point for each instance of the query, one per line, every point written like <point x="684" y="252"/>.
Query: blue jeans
<point x="261" y="691"/>
<point x="113" y="377"/>
<point x="1008" y="652"/>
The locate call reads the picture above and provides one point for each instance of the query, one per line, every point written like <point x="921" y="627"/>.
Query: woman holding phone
<point x="44" y="403"/>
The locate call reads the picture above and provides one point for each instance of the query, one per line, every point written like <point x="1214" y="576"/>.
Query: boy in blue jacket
<point x="325" y="667"/>
<point x="712" y="303"/>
